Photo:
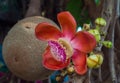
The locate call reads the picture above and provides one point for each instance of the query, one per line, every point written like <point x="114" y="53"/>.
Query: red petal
<point x="50" y="63"/>
<point x="79" y="61"/>
<point x="46" y="31"/>
<point x="80" y="70"/>
<point x="84" y="41"/>
<point x="68" y="24"/>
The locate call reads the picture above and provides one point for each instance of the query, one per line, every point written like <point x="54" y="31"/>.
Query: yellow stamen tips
<point x="95" y="60"/>
<point x="67" y="46"/>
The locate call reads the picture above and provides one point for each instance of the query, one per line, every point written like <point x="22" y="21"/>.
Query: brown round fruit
<point x="22" y="51"/>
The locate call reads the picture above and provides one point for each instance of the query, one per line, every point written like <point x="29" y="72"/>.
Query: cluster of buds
<point x="94" y="60"/>
<point x="99" y="23"/>
<point x="67" y="71"/>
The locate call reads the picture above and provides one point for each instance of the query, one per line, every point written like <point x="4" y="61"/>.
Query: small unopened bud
<point x="86" y="27"/>
<point x="63" y="73"/>
<point x="96" y="34"/>
<point x="107" y="44"/>
<point x="70" y="70"/>
<point x="58" y="78"/>
<point x="100" y="22"/>
<point x="95" y="60"/>
<point x="100" y="57"/>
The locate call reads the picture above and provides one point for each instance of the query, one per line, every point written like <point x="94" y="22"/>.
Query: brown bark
<point x="34" y="8"/>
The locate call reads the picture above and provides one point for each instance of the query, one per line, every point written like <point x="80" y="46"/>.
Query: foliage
<point x="97" y="2"/>
<point x="76" y="7"/>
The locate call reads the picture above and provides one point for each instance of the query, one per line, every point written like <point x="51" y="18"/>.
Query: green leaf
<point x="97" y="2"/>
<point x="76" y="9"/>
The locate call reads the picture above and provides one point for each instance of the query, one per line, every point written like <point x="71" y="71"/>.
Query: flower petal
<point x="67" y="23"/>
<point x="80" y="70"/>
<point x="50" y="63"/>
<point x="79" y="61"/>
<point x="84" y="41"/>
<point x="46" y="31"/>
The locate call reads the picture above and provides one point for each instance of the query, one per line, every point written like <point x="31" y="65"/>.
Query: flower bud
<point x="100" y="21"/>
<point x="86" y="27"/>
<point x="107" y="44"/>
<point x="100" y="57"/>
<point x="95" y="60"/>
<point x="70" y="70"/>
<point x="58" y="78"/>
<point x="96" y="34"/>
<point x="63" y="73"/>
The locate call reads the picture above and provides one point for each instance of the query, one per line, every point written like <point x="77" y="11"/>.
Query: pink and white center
<point x="61" y="49"/>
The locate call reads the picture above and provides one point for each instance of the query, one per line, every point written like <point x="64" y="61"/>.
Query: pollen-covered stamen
<point x="67" y="46"/>
<point x="57" y="50"/>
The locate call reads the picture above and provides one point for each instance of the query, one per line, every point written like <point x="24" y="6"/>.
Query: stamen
<point x="67" y="47"/>
<point x="57" y="50"/>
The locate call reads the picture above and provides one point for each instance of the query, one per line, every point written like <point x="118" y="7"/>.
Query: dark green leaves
<point x="76" y="7"/>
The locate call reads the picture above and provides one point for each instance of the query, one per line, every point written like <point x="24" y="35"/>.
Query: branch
<point x="34" y="8"/>
<point x="110" y="15"/>
<point x="106" y="13"/>
<point x="89" y="75"/>
<point x="111" y="52"/>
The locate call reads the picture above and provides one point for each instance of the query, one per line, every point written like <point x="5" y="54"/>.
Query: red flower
<point x="66" y="44"/>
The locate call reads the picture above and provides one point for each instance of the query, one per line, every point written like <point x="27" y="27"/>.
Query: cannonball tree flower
<point x="65" y="45"/>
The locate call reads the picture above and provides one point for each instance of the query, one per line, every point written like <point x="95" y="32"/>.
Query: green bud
<point x="100" y="22"/>
<point x="95" y="60"/>
<point x="107" y="44"/>
<point x="92" y="61"/>
<point x="100" y="61"/>
<point x="96" y="34"/>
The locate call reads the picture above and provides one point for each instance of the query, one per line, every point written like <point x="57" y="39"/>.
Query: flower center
<point x="67" y="46"/>
<point x="61" y="49"/>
